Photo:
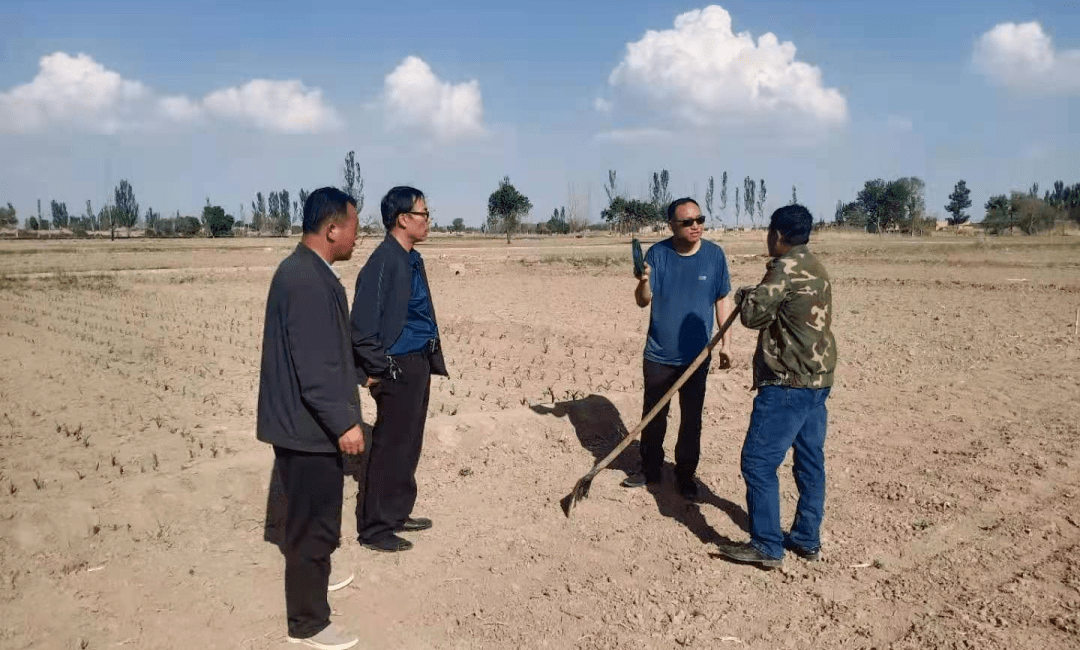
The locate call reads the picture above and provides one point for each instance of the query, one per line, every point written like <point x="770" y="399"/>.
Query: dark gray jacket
<point x="380" y="309"/>
<point x="307" y="385"/>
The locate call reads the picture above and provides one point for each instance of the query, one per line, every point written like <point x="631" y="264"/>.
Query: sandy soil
<point x="134" y="497"/>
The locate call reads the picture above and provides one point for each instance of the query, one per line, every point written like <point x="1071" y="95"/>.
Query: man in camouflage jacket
<point x="793" y="375"/>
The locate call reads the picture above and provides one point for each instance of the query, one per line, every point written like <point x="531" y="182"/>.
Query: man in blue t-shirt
<point x="686" y="282"/>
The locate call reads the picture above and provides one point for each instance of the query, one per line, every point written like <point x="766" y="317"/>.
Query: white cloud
<point x="1022" y="56"/>
<point x="414" y="98"/>
<point x="283" y="106"/>
<point x="79" y="92"/>
<point x="633" y="136"/>
<point x="706" y="74"/>
<point x="74" y="89"/>
<point x="602" y="105"/>
<point x="179" y="109"/>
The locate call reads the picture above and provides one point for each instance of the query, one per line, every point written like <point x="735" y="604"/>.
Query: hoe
<point x="581" y="489"/>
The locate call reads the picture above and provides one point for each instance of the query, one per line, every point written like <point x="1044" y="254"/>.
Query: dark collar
<point x="317" y="261"/>
<point x="395" y="247"/>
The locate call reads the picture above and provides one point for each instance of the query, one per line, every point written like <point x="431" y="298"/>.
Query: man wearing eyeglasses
<point x="395" y="341"/>
<point x="686" y="282"/>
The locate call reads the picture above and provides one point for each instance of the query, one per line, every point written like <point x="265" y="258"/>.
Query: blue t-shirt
<point x="419" y="325"/>
<point x="685" y="290"/>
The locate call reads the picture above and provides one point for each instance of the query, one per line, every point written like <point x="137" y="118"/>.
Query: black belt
<point x="429" y="349"/>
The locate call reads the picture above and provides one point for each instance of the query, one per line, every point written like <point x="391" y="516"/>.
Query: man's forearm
<point x="723" y="310"/>
<point x="643" y="293"/>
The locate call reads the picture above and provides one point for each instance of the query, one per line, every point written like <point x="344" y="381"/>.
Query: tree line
<point x="884" y="206"/>
<point x="627" y="214"/>
<point x="273" y="215"/>
<point x="1029" y="213"/>
<point x="880" y="206"/>
<point x="508" y="208"/>
<point x="899" y="206"/>
<point x="123" y="212"/>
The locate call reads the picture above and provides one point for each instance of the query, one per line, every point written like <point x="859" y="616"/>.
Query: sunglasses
<point x="686" y="223"/>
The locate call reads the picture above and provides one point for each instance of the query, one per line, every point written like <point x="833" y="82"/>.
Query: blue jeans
<point x="785" y="418"/>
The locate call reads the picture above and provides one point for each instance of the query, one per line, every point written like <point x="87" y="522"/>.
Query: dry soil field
<point x="133" y="494"/>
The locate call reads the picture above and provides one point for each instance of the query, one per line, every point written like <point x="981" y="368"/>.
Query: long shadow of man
<point x="599" y="428"/>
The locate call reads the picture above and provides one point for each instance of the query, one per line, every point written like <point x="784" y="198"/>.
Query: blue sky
<point x="166" y="95"/>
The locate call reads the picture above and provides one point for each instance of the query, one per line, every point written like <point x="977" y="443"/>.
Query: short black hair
<point x="793" y="223"/>
<point x="674" y="205"/>
<point x="324" y="204"/>
<point x="398" y="200"/>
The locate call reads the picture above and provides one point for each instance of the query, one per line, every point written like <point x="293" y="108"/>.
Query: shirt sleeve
<point x="315" y="343"/>
<point x="369" y="350"/>
<point x="763" y="302"/>
<point x="723" y="285"/>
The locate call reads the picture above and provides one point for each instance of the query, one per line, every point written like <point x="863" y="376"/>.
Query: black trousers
<point x="659" y="378"/>
<point x="313" y="485"/>
<point x="390" y="487"/>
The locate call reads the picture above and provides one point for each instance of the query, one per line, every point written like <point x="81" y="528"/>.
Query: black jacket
<point x="380" y="309"/>
<point x="307" y="385"/>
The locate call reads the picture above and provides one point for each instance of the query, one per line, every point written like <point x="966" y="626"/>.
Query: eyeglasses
<point x="686" y="223"/>
<point x="425" y="215"/>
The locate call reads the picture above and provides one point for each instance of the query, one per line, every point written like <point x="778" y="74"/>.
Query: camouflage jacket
<point x="792" y="308"/>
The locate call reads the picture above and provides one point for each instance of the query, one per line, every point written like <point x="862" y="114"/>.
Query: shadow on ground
<point x="599" y="428"/>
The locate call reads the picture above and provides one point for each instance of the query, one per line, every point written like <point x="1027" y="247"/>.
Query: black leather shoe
<point x="804" y="553"/>
<point x="744" y="552"/>
<point x="689" y="490"/>
<point x="390" y="544"/>
<point x="640" y="479"/>
<point x="412" y="525"/>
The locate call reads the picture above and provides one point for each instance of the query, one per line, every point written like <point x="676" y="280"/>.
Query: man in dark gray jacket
<point x="396" y="343"/>
<point x="309" y="408"/>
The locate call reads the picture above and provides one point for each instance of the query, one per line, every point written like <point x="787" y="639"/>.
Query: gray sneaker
<point x="330" y="638"/>
<point x="339" y="579"/>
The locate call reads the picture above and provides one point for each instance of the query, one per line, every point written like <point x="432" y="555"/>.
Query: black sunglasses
<point x="686" y="223"/>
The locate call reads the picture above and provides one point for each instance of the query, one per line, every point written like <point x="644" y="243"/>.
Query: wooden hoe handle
<point x="667" y="396"/>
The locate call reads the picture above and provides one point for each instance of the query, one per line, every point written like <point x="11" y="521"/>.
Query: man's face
<point x="686" y="225"/>
<point x="344" y="234"/>
<point x="416" y="222"/>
